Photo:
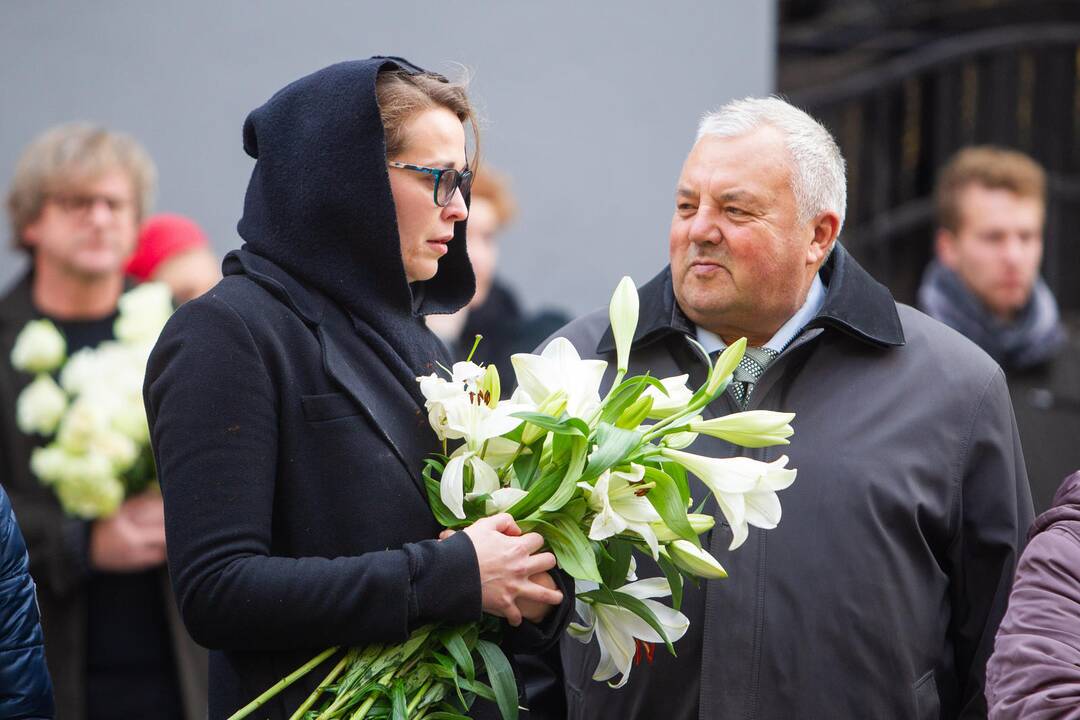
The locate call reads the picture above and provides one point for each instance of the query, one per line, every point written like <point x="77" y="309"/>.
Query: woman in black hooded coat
<point x="286" y="420"/>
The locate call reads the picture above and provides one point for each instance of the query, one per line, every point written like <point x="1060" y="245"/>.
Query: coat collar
<point x="855" y="304"/>
<point x="348" y="360"/>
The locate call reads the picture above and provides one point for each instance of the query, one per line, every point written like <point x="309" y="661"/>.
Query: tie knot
<point x="753" y="364"/>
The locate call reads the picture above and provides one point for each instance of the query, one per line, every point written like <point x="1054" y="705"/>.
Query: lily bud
<point x="699" y="523"/>
<point x="553" y="405"/>
<point x="694" y="560"/>
<point x="725" y="365"/>
<point x="623" y="313"/>
<point x="490" y="386"/>
<point x="753" y="429"/>
<point x="634" y="415"/>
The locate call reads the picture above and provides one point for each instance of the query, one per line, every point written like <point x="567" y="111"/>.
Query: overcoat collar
<point x="855" y="304"/>
<point x="392" y="412"/>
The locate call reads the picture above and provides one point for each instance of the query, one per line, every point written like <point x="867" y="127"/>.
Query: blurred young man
<point x="113" y="640"/>
<point x="174" y="250"/>
<point x="985" y="283"/>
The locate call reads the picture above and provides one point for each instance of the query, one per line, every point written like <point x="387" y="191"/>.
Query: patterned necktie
<point x="749" y="369"/>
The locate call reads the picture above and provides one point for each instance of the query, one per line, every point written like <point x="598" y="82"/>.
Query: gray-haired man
<point x="879" y="593"/>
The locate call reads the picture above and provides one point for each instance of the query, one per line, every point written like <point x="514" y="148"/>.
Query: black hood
<point x="319" y="204"/>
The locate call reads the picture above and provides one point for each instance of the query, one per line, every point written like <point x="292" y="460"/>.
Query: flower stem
<point x="330" y="677"/>
<point x="282" y="684"/>
<point x="362" y="711"/>
<point x="418" y="696"/>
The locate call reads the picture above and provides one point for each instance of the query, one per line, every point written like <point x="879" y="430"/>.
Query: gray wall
<point x="591" y="107"/>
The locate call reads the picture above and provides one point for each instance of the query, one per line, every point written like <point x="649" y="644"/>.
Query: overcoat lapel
<point x="393" y="412"/>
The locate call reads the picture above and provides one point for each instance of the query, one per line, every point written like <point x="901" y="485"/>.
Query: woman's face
<point x="434" y="138"/>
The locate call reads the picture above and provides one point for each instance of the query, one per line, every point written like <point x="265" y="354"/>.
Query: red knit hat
<point x="163" y="236"/>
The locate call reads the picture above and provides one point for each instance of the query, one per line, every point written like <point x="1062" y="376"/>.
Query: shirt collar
<point x="815" y="299"/>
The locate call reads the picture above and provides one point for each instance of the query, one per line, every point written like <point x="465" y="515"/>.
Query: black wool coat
<point x="289" y="458"/>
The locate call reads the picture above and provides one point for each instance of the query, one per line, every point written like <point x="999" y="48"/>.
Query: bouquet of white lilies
<point x="597" y="477"/>
<point x="100" y="451"/>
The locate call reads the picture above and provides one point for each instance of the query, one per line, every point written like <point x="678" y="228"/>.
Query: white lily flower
<point x="745" y="489"/>
<point x="677" y="398"/>
<point x="559" y="367"/>
<point x="753" y="429"/>
<point x="476" y="423"/>
<point x="452" y="483"/>
<point x="618" y="499"/>
<point x="623" y="314"/>
<point x="618" y="630"/>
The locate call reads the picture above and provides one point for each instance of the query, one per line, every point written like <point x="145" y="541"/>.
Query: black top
<point x="130" y="669"/>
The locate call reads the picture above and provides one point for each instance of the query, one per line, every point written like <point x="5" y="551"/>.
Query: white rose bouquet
<point x="597" y="477"/>
<point x="99" y="451"/>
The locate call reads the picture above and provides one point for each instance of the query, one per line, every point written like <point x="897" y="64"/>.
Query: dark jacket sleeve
<point x="213" y="413"/>
<point x="1035" y="668"/>
<point x="993" y="514"/>
<point x="25" y="688"/>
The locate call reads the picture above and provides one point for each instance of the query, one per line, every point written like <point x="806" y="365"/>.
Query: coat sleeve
<point x="1035" y="668"/>
<point x="25" y="688"/>
<point x="993" y="514"/>
<point x="214" y="429"/>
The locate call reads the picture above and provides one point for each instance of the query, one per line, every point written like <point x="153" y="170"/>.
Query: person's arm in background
<point x="1035" y="668"/>
<point x="992" y="516"/>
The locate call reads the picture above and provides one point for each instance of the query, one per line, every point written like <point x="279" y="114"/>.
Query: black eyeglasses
<point x="447" y="180"/>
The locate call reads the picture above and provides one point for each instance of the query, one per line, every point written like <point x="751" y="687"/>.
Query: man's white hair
<point x="817" y="167"/>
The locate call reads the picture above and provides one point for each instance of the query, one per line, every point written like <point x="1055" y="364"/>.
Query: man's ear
<point x="945" y="248"/>
<point x="826" y="228"/>
<point x="30" y="234"/>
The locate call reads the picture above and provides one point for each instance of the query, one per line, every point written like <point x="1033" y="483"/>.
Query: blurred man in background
<point x="174" y="250"/>
<point x="985" y="283"/>
<point x="494" y="311"/>
<point x="113" y="639"/>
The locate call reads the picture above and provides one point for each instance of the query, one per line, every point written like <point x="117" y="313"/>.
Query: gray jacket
<point x="879" y="593"/>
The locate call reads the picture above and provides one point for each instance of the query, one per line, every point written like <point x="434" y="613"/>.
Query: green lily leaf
<point x="539" y="493"/>
<point x="565" y="426"/>
<point x="678" y="473"/>
<point x="399" y="704"/>
<point x="625" y="394"/>
<point x="668" y="503"/>
<point x="613" y="445"/>
<point x="615" y="561"/>
<point x="455" y="644"/>
<point x="675" y="580"/>
<point x="568" y="485"/>
<point x="501" y="678"/>
<point x="572" y="549"/>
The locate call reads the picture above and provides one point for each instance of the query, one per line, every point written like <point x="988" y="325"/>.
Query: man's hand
<point x="510" y="575"/>
<point x="132" y="539"/>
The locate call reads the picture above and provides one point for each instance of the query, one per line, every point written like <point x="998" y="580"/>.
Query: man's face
<point x="741" y="261"/>
<point x="998" y="247"/>
<point x="88" y="230"/>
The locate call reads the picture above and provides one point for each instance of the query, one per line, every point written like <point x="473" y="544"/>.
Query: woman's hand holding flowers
<point x="508" y="569"/>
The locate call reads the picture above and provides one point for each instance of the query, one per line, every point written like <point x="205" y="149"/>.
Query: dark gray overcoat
<point x="879" y="593"/>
